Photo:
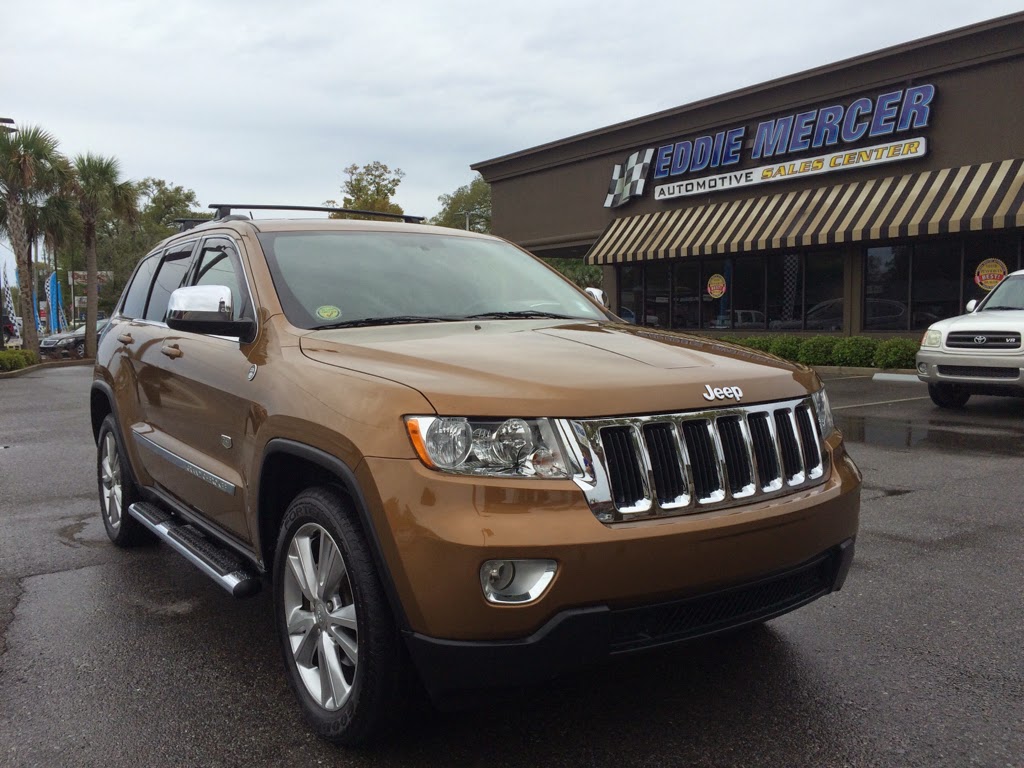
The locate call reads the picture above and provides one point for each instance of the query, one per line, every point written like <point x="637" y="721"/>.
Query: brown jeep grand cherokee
<point x="447" y="459"/>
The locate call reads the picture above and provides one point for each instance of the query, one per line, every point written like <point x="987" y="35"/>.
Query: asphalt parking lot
<point x="133" y="658"/>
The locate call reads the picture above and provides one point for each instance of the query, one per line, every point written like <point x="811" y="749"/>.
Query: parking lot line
<point x="880" y="402"/>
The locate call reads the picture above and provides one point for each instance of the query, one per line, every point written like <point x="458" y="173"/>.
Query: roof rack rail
<point x="185" y="224"/>
<point x="224" y="210"/>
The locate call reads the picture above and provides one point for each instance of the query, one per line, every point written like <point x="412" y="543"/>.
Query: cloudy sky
<point x="259" y="101"/>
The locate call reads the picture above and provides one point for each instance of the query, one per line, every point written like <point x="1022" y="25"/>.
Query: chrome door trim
<point x="196" y="471"/>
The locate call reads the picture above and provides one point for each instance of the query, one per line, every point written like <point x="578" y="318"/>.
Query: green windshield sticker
<point x="328" y="312"/>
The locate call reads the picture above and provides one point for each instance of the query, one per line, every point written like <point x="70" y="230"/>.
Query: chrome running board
<point x="222" y="565"/>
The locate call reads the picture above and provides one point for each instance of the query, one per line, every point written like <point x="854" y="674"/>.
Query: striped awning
<point x="972" y="197"/>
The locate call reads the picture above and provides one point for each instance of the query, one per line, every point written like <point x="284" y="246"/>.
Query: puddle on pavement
<point x="935" y="435"/>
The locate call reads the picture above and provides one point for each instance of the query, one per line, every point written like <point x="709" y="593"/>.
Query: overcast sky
<point x="258" y="101"/>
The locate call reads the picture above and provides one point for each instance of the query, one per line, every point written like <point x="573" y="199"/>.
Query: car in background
<point x="9" y="329"/>
<point x="69" y="344"/>
<point x="978" y="353"/>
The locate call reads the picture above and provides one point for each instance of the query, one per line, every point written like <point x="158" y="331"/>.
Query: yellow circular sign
<point x="716" y="286"/>
<point x="990" y="273"/>
<point x="328" y="312"/>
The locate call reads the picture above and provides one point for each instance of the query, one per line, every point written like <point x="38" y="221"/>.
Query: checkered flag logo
<point x="628" y="179"/>
<point x="8" y="299"/>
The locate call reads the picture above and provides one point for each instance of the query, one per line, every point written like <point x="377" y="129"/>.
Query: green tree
<point x="31" y="169"/>
<point x="100" y="193"/>
<point x="369" y="188"/>
<point x="583" y="274"/>
<point x="468" y="207"/>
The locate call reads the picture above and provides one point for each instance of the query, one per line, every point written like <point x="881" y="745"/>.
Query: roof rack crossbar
<point x="224" y="209"/>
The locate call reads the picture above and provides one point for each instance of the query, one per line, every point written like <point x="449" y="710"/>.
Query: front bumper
<point x="579" y="637"/>
<point x="435" y="531"/>
<point x="978" y="373"/>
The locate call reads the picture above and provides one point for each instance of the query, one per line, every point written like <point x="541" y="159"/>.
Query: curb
<point x="47" y="364"/>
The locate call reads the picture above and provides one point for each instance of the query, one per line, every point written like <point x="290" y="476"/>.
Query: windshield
<point x="1009" y="294"/>
<point x="330" y="279"/>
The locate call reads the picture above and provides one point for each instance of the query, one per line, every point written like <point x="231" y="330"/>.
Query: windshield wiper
<point x="526" y="313"/>
<point x="393" y="320"/>
<point x="1014" y="308"/>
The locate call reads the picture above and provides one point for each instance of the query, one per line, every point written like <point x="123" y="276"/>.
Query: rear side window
<point x="135" y="299"/>
<point x="169" y="277"/>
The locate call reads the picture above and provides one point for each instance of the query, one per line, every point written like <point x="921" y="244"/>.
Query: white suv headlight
<point x="931" y="338"/>
<point x="489" y="447"/>
<point x="824" y="413"/>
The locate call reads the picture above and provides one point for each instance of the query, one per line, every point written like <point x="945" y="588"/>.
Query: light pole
<point x="469" y="212"/>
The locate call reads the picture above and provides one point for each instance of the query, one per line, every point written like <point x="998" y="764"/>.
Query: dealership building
<point x="875" y="195"/>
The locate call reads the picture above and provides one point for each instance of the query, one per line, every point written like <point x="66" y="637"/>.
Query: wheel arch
<point x="287" y="468"/>
<point x="101" y="404"/>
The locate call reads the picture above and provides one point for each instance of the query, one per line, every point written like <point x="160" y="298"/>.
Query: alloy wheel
<point x="320" y="614"/>
<point x="110" y="470"/>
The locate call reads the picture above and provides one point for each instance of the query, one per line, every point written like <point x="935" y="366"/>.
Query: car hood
<point x="987" y="320"/>
<point x="556" y="368"/>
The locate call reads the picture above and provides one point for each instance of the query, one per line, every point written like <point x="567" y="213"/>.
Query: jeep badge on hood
<point x="723" y="393"/>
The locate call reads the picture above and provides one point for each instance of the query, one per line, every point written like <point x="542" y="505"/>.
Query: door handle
<point x="126" y="338"/>
<point x="171" y="350"/>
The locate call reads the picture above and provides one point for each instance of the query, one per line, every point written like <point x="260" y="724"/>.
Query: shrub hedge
<point x="896" y="353"/>
<point x="850" y="351"/>
<point x="16" y="359"/>
<point x="817" y="350"/>
<point x="854" y="351"/>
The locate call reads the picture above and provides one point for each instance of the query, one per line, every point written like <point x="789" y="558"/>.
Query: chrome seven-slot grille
<point x="681" y="463"/>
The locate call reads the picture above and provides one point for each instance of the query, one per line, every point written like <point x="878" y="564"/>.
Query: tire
<point x="80" y="350"/>
<point x="948" y="395"/>
<point x="117" y="489"/>
<point x="365" y="672"/>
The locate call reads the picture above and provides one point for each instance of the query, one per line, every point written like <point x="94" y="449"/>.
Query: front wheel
<point x="342" y="652"/>
<point x="948" y="395"/>
<point x="117" y="491"/>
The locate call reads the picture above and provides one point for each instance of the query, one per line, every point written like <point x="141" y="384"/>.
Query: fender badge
<point x="252" y="372"/>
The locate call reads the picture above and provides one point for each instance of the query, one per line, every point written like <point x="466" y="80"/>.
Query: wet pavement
<point x="133" y="658"/>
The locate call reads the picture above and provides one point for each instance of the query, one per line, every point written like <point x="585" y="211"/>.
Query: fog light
<point x="922" y="368"/>
<point x="516" y="581"/>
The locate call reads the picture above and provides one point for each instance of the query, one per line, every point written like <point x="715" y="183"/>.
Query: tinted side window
<point x="218" y="264"/>
<point x="135" y="298"/>
<point x="173" y="269"/>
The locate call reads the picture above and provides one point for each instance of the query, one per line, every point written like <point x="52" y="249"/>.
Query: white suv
<point x="978" y="353"/>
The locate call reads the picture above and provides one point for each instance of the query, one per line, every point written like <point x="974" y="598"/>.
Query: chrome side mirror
<point x="598" y="295"/>
<point x="206" y="309"/>
<point x="971" y="305"/>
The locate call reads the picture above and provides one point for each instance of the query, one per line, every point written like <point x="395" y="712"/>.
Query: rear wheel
<point x="948" y="395"/>
<point x="342" y="652"/>
<point x="117" y="491"/>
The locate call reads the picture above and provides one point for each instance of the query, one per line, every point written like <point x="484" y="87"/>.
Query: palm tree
<point x="99" y="191"/>
<point x="31" y="168"/>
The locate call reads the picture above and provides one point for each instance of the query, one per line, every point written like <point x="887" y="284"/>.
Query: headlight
<point x="69" y="342"/>
<point x="824" y="412"/>
<point x="931" y="338"/>
<point x="489" y="447"/>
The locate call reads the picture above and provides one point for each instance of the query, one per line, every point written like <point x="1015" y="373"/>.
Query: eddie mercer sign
<point x="889" y="116"/>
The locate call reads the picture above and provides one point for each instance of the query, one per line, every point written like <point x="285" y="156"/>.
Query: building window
<point x="909" y="287"/>
<point x="748" y="311"/>
<point x="823" y="291"/>
<point x="785" y="291"/>
<point x="717" y="287"/>
<point x="686" y="295"/>
<point x="631" y="292"/>
<point x="1001" y="246"/>
<point x="887" y="288"/>
<point x="935" y="283"/>
<point x="656" y="295"/>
